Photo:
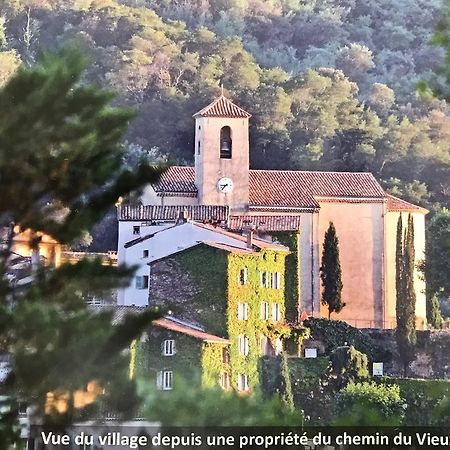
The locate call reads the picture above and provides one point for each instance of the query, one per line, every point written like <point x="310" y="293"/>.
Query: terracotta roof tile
<point x="177" y="179"/>
<point x="168" y="324"/>
<point x="223" y="107"/>
<point x="170" y="213"/>
<point x="265" y="223"/>
<point x="397" y="204"/>
<point x="285" y="188"/>
<point x="230" y="248"/>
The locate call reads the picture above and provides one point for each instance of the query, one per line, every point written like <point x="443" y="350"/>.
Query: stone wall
<point x="432" y="353"/>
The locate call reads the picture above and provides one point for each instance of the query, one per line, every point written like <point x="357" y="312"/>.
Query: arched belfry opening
<point x="226" y="143"/>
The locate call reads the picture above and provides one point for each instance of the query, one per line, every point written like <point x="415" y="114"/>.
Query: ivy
<point x="213" y="364"/>
<point x="335" y="333"/>
<point x="253" y="294"/>
<point x="291" y="273"/>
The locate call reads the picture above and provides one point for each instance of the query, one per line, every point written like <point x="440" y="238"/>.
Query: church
<point x="221" y="189"/>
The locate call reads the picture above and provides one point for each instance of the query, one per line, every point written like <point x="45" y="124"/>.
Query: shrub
<point x="368" y="403"/>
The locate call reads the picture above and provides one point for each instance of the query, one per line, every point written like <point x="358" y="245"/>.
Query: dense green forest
<point x="331" y="84"/>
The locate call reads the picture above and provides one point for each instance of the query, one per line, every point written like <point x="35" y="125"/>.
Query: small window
<point x="242" y="382"/>
<point x="198" y="148"/>
<point x="142" y="282"/>
<point x="264" y="311"/>
<point x="225" y="355"/>
<point x="225" y="143"/>
<point x="225" y="381"/>
<point x="264" y="279"/>
<point x="242" y="311"/>
<point x="243" y="276"/>
<point x="168" y="347"/>
<point x="243" y="345"/>
<point x="276" y="312"/>
<point x="136" y="230"/>
<point x="164" y="380"/>
<point x="145" y="254"/>
<point x="275" y="280"/>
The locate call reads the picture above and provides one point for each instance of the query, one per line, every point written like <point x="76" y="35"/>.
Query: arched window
<point x="225" y="142"/>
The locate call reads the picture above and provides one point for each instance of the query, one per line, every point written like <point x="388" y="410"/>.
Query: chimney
<point x="250" y="239"/>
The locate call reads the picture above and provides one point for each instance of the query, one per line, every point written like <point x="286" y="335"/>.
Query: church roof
<point x="170" y="213"/>
<point x="395" y="204"/>
<point x="265" y="223"/>
<point x="222" y="107"/>
<point x="283" y="188"/>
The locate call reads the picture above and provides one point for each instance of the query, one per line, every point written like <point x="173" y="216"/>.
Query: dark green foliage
<point x="426" y="400"/>
<point x="284" y="382"/>
<point x="405" y="332"/>
<point x="437" y="263"/>
<point x="60" y="169"/>
<point x="334" y="333"/>
<point x="347" y="364"/>
<point x="368" y="404"/>
<point x="291" y="274"/>
<point x="190" y="406"/>
<point x="330" y="272"/>
<point x="373" y="54"/>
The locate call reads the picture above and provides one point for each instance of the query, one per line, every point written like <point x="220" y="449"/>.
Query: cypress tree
<point x="284" y="382"/>
<point x="405" y="293"/>
<point x="330" y="272"/>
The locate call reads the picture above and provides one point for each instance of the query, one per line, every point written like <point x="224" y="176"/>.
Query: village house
<point x="292" y="207"/>
<point x="233" y="286"/>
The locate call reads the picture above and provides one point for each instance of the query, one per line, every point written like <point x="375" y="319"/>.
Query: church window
<point x="142" y="282"/>
<point x="168" y="347"/>
<point x="242" y="311"/>
<point x="243" y="276"/>
<point x="225" y="143"/>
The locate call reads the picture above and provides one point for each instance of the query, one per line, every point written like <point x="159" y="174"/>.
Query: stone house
<point x="234" y="291"/>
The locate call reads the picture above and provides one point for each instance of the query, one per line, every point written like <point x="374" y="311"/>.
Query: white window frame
<point x="264" y="312"/>
<point x="142" y="281"/>
<point x="276" y="312"/>
<point x="242" y="382"/>
<point x="242" y="311"/>
<point x="164" y="380"/>
<point x="225" y="381"/>
<point x="243" y="345"/>
<point x="168" y="347"/>
<point x="243" y="276"/>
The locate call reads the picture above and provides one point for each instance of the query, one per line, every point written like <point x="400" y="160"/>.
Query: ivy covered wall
<point x="291" y="239"/>
<point x="193" y="284"/>
<point x="253" y="293"/>
<point x="195" y="360"/>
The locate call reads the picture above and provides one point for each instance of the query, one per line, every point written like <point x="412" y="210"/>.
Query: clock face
<point x="225" y="185"/>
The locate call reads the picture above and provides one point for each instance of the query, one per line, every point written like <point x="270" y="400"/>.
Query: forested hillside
<point x="331" y="84"/>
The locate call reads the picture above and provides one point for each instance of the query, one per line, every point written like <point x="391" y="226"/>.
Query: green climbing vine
<point x="291" y="239"/>
<point x="254" y="294"/>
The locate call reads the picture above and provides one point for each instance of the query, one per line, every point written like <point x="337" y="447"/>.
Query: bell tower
<point x="222" y="154"/>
